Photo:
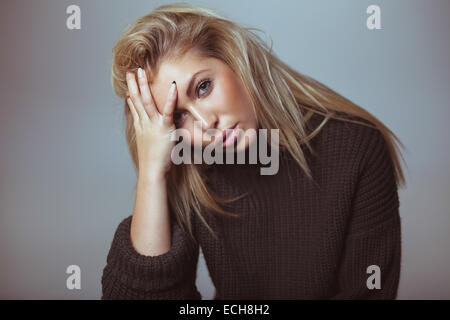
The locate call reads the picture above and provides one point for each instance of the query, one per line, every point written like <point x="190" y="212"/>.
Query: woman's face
<point x="209" y="94"/>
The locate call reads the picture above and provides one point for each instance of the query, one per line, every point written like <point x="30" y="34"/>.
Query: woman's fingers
<point x="170" y="105"/>
<point x="135" y="96"/>
<point x="141" y="99"/>
<point x="146" y="95"/>
<point x="133" y="111"/>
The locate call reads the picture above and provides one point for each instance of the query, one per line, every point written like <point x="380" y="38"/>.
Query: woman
<point x="325" y="226"/>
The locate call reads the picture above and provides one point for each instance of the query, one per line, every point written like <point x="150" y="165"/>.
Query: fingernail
<point x="172" y="87"/>
<point x="139" y="72"/>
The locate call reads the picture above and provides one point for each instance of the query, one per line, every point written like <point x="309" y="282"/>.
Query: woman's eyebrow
<point x="191" y="82"/>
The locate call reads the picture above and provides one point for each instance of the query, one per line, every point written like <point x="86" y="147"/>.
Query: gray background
<point x="66" y="175"/>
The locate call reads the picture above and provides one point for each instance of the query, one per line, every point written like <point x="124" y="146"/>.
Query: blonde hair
<point x="282" y="97"/>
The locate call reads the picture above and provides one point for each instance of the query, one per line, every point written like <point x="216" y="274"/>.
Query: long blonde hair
<point x="282" y="97"/>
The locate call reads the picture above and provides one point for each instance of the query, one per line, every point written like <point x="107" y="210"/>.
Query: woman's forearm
<point x="150" y="225"/>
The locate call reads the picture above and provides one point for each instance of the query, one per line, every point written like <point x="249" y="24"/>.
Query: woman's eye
<point x="204" y="85"/>
<point x="178" y="118"/>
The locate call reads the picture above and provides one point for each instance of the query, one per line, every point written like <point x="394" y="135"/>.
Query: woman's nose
<point x="207" y="120"/>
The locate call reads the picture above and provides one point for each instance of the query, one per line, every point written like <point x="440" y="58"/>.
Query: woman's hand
<point x="153" y="129"/>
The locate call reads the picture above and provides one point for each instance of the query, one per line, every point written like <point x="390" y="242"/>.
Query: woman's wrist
<point x="152" y="176"/>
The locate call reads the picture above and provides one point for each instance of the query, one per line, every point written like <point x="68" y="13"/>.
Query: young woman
<point x="325" y="226"/>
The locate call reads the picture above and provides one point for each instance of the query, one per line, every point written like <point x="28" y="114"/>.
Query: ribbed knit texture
<point x="294" y="238"/>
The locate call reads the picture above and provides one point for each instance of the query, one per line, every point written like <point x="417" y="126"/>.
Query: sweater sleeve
<point x="169" y="276"/>
<point x="374" y="230"/>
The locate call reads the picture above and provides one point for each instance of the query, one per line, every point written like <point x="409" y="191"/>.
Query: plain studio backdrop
<point x="66" y="177"/>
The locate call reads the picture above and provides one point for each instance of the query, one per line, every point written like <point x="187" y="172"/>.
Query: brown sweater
<point x="294" y="239"/>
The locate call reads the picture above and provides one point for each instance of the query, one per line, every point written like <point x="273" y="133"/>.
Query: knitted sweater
<point x="294" y="238"/>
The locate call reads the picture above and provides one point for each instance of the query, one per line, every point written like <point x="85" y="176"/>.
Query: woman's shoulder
<point x="342" y="125"/>
<point x="344" y="135"/>
<point x="338" y="120"/>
